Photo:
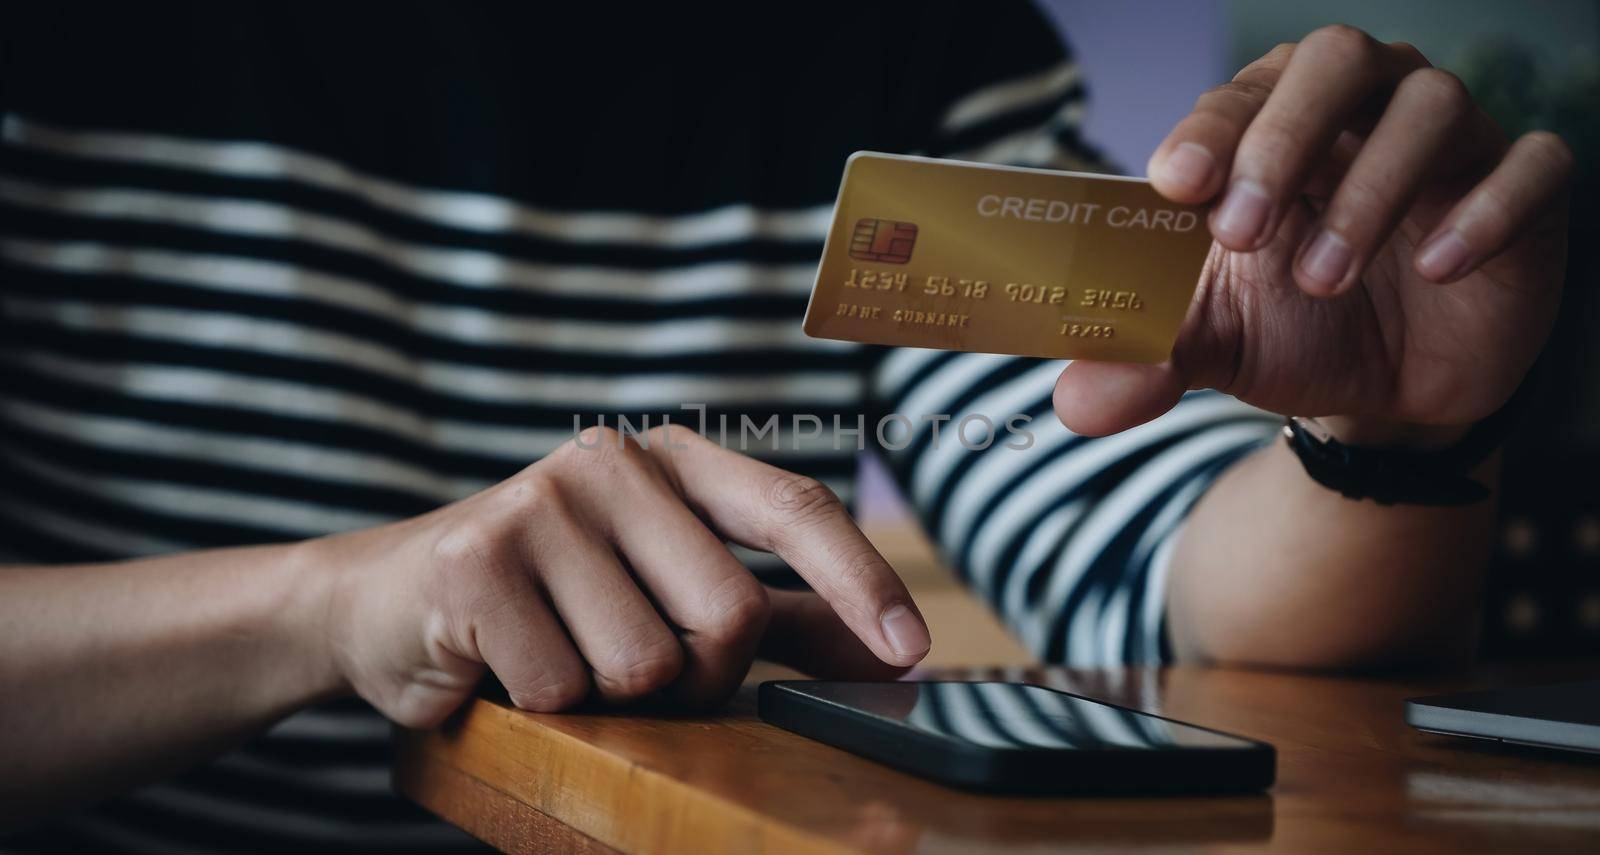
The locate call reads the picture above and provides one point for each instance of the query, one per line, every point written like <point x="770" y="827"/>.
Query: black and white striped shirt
<point x="274" y="271"/>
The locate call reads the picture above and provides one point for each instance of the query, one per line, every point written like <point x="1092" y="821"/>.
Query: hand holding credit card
<point x="967" y="256"/>
<point x="1401" y="280"/>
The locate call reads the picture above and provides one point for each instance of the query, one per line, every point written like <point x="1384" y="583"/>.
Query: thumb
<point x="1100" y="398"/>
<point x="806" y="634"/>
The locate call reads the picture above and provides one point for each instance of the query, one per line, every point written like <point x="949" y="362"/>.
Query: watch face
<point x="1311" y="427"/>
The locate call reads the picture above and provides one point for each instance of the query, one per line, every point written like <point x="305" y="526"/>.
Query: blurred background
<point x="1147" y="60"/>
<point x="1533" y="64"/>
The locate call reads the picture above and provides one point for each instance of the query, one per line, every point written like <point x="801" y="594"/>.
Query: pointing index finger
<point x="805" y="524"/>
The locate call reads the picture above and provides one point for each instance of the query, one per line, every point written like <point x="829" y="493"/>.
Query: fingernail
<point x="906" y="632"/>
<point x="1326" y="261"/>
<point x="1189" y="166"/>
<point x="1444" y="256"/>
<point x="1244" y="212"/>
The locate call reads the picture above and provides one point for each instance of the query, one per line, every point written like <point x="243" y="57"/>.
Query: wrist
<point x="304" y="623"/>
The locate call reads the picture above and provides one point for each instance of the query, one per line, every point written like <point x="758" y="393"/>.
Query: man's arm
<point x="118" y="673"/>
<point x="1383" y="259"/>
<point x="1382" y="256"/>
<point x="600" y="572"/>
<point x="1067" y="537"/>
<point x="1274" y="569"/>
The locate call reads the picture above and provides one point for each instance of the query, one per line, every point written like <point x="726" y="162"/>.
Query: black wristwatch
<point x="1395" y="476"/>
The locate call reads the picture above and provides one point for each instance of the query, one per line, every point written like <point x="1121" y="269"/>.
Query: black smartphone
<point x="1018" y="738"/>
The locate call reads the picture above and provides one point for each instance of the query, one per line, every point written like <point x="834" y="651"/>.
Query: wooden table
<point x="1351" y="778"/>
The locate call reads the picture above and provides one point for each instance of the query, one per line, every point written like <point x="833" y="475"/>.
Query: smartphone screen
<point x="1017" y="738"/>
<point x="1015" y="716"/>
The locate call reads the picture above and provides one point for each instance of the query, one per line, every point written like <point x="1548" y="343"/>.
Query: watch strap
<point x="1391" y="476"/>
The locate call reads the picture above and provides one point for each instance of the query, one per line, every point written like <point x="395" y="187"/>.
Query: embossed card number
<point x="964" y="256"/>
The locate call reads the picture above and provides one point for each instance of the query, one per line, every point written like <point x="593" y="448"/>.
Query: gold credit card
<point x="968" y="256"/>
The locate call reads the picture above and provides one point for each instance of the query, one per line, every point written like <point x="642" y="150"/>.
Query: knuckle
<point x="630" y="446"/>
<point x="1272" y="145"/>
<point x="553" y="694"/>
<point x="738" y="610"/>
<point x="1492" y="217"/>
<point x="1234" y="97"/>
<point x="799" y="497"/>
<point x="658" y="436"/>
<point x="480" y="579"/>
<point x="1343" y="42"/>
<point x="638" y="668"/>
<point x="598" y="436"/>
<point x="858" y="585"/>
<point x="1364" y="198"/>
<point x="859" y="564"/>
<point x="1268" y="65"/>
<point x="601" y="451"/>
<point x="461" y="544"/>
<point x="1438" y="88"/>
<point x="675" y="434"/>
<point x="533" y="488"/>
<point x="534" y="494"/>
<point x="1549" y="148"/>
<point x="473" y="546"/>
